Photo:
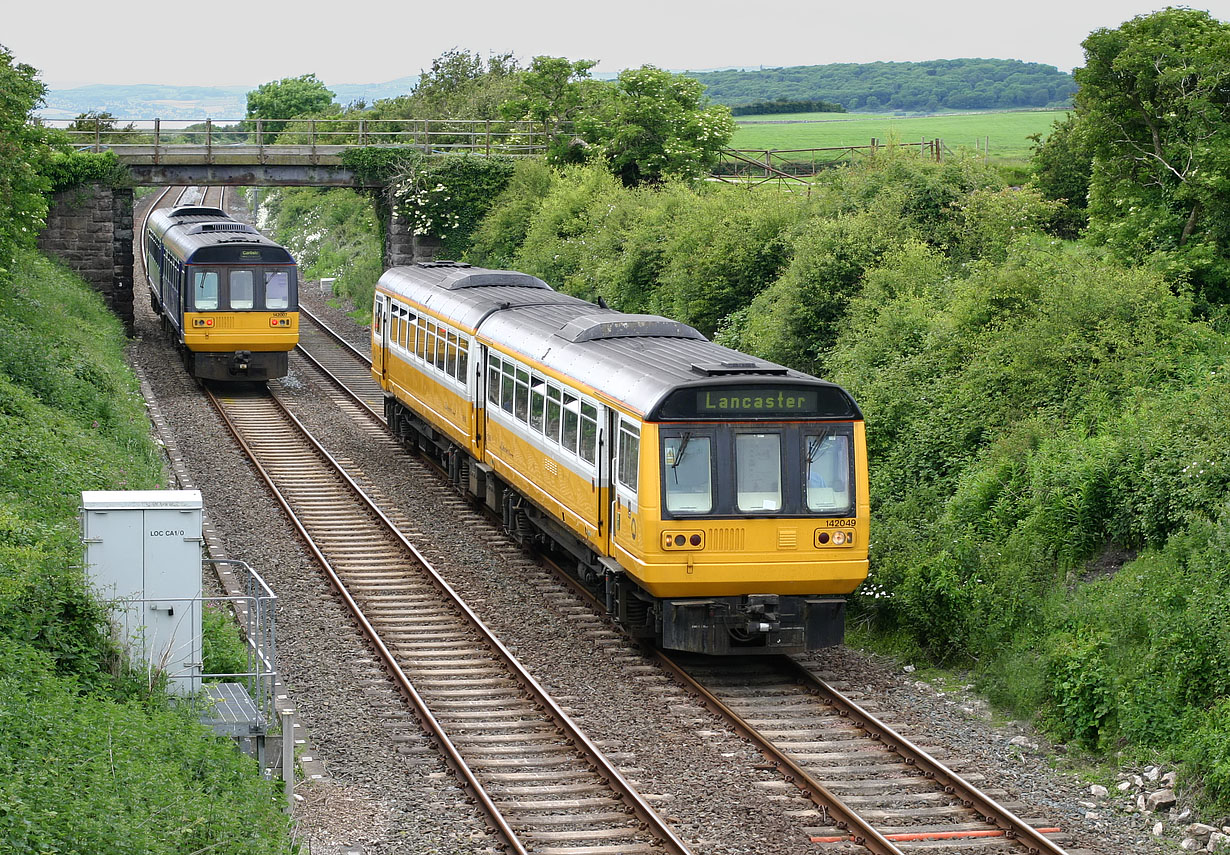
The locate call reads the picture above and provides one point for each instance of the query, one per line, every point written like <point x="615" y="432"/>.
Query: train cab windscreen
<point x="771" y="469"/>
<point x="243" y="289"/>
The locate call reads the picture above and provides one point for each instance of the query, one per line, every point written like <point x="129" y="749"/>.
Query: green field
<point x="1007" y="131"/>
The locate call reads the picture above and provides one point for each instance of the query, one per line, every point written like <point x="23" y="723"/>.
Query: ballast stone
<point x="1160" y="800"/>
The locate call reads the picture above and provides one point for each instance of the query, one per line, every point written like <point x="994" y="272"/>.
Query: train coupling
<point x="241" y="362"/>
<point x="752" y="624"/>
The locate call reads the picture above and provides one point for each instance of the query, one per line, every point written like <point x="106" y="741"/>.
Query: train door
<point x="478" y="397"/>
<point x="380" y="337"/>
<point x="603" y="465"/>
<point x="625" y="449"/>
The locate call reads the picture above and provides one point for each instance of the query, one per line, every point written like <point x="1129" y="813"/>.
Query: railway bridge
<point x="91" y="229"/>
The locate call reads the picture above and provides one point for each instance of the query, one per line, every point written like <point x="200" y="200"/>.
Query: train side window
<point x="572" y="420"/>
<point x="420" y="346"/>
<point x="553" y="413"/>
<point x="403" y="332"/>
<point x="377" y="311"/>
<point x="433" y="340"/>
<point x="450" y="360"/>
<point x="463" y="359"/>
<point x="537" y="389"/>
<point x="688" y="472"/>
<point x="441" y="343"/>
<point x="629" y="453"/>
<point x="758" y="471"/>
<point x="507" y="386"/>
<point x="521" y="404"/>
<point x="493" y="380"/>
<point x="589" y="432"/>
<point x="277" y="289"/>
<point x="205" y="290"/>
<point x="412" y="328"/>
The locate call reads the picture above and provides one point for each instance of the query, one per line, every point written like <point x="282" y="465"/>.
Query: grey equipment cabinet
<point x="143" y="555"/>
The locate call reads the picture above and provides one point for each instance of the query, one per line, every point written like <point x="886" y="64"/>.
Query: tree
<point x="462" y="85"/>
<point x="1154" y="105"/>
<point x="288" y="98"/>
<point x="1062" y="165"/>
<point x="23" y="152"/>
<point x="654" y="125"/>
<point x="553" y="91"/>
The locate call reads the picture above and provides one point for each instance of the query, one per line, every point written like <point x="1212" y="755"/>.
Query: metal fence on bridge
<point x="322" y="141"/>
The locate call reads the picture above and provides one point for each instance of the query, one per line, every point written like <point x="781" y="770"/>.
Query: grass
<point x="1008" y="131"/>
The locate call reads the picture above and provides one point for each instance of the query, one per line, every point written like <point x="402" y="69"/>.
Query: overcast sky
<point x="73" y="42"/>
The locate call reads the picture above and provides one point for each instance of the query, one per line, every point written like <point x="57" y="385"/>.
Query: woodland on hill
<point x="942" y="84"/>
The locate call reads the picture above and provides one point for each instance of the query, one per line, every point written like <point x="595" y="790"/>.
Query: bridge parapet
<point x="291" y="151"/>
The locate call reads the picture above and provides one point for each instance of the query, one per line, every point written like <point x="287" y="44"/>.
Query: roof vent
<point x="614" y="325"/>
<point x="196" y="211"/>
<point x="727" y="369"/>
<point x="226" y="226"/>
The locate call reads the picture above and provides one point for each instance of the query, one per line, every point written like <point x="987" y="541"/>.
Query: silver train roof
<point x="631" y="360"/>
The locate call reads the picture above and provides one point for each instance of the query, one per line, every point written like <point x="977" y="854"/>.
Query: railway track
<point x="543" y="785"/>
<point x="873" y="789"/>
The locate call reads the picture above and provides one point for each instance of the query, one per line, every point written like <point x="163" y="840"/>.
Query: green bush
<point x="92" y="759"/>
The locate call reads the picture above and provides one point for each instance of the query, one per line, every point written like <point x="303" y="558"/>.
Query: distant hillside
<point x="192" y="102"/>
<point x="942" y="84"/>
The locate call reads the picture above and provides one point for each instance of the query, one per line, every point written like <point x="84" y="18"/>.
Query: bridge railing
<point x="228" y="139"/>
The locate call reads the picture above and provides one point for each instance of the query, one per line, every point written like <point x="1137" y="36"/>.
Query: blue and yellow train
<point x="718" y="502"/>
<point x="227" y="294"/>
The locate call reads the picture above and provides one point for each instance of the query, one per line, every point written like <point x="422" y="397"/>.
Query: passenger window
<point x="589" y="433"/>
<point x="827" y="483"/>
<point x="420" y="339"/>
<point x="553" y="413"/>
<point x="688" y="472"/>
<point x="432" y="341"/>
<point x="205" y="290"/>
<point x="277" y="289"/>
<point x="493" y="380"/>
<point x="758" y="471"/>
<point x="521" y="405"/>
<point x="537" y="386"/>
<point x="629" y="454"/>
<point x="572" y="420"/>
<point x="441" y="342"/>
<point x="450" y="360"/>
<point x="377" y="310"/>
<point x="463" y="359"/>
<point x="412" y="328"/>
<point x="507" y="387"/>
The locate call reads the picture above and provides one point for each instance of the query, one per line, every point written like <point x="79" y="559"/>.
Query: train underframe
<point x="748" y="624"/>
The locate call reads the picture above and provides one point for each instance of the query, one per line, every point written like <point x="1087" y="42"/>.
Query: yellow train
<point x="717" y="502"/>
<point x="228" y="295"/>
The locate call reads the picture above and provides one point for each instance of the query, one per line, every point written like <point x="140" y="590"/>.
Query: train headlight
<point x="830" y="537"/>
<point x="685" y="540"/>
<point x="202" y="322"/>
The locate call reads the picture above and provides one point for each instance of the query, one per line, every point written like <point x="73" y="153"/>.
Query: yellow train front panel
<point x="226" y="332"/>
<point x="706" y="557"/>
